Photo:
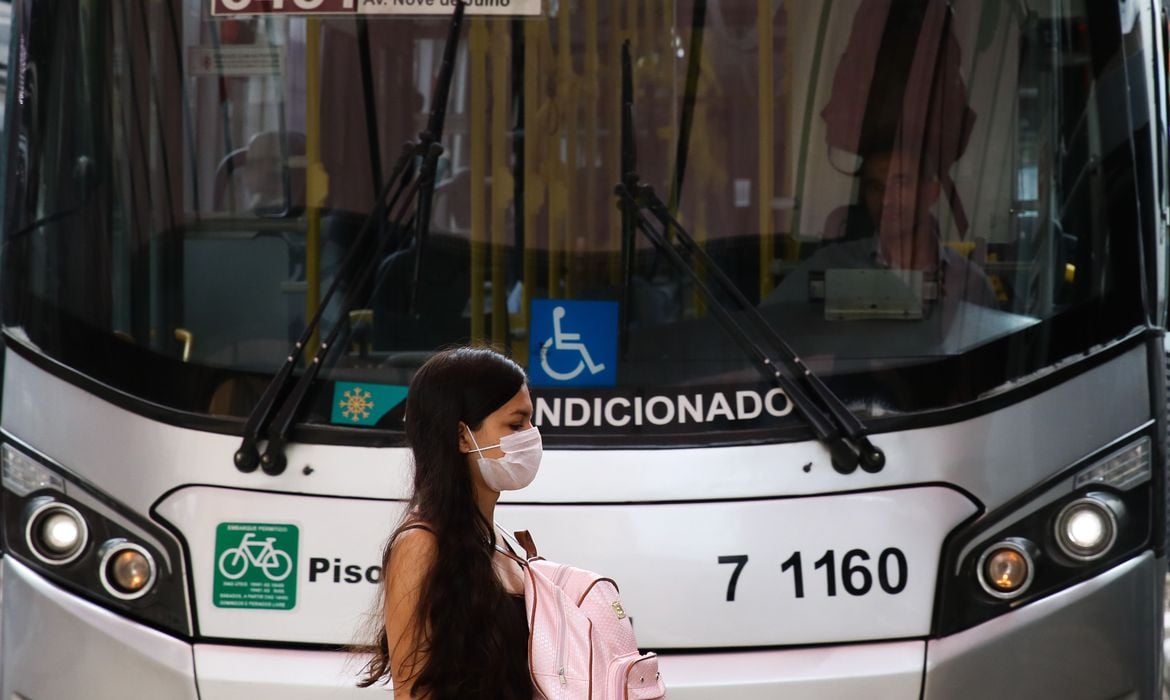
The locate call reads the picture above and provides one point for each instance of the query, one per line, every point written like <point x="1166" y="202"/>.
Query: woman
<point x="453" y="606"/>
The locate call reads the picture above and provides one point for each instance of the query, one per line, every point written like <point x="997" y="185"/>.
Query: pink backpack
<point x="581" y="644"/>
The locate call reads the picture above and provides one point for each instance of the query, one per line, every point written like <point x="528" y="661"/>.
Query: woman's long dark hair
<point x="474" y="642"/>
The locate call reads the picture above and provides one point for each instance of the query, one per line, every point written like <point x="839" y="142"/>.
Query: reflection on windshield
<point x="898" y="187"/>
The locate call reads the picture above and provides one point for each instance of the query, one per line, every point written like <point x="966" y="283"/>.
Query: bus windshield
<point x="929" y="201"/>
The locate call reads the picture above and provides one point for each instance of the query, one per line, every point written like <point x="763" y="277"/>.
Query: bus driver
<point x="899" y="102"/>
<point x="898" y="194"/>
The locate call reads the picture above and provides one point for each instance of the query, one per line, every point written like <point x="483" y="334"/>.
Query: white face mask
<point x="518" y="467"/>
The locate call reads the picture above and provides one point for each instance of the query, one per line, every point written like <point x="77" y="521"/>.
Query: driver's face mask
<point x="518" y="467"/>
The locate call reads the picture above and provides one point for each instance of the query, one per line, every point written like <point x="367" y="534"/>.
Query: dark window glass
<point x="927" y="200"/>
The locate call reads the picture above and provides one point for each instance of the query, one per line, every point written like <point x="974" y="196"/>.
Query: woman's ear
<point x="464" y="441"/>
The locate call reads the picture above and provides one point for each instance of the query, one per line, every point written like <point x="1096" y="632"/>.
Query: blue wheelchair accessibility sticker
<point x="573" y="343"/>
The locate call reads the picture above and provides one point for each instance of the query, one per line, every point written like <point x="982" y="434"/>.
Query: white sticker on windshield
<point x="525" y="8"/>
<point x="235" y="61"/>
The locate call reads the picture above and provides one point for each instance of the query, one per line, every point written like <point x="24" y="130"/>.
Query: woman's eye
<point x="516" y="427"/>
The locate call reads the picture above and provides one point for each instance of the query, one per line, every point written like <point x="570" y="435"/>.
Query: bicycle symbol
<point x="275" y="564"/>
<point x="566" y="341"/>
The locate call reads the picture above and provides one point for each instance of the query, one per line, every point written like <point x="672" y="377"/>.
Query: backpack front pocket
<point x="634" y="677"/>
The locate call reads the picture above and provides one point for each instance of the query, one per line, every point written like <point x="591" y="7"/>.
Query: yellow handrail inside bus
<point x="553" y="167"/>
<point x="589" y="101"/>
<point x="613" y="115"/>
<point x="806" y="120"/>
<point x="317" y="182"/>
<point x="477" y="133"/>
<point x="791" y="249"/>
<point x="533" y="178"/>
<point x="766" y="173"/>
<point x="501" y="179"/>
<point x="567" y="92"/>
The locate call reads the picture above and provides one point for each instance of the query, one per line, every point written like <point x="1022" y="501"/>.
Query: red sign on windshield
<point x="289" y="7"/>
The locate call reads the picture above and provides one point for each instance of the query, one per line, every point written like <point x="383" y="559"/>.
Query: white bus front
<point x="181" y="188"/>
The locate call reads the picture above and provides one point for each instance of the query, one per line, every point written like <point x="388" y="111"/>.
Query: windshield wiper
<point x="404" y="184"/>
<point x="247" y="457"/>
<point x="833" y="423"/>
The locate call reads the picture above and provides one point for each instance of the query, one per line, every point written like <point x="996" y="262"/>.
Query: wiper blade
<point x="400" y="182"/>
<point x="834" y="424"/>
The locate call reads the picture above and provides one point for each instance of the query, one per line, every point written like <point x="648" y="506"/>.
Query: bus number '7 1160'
<point x="855" y="572"/>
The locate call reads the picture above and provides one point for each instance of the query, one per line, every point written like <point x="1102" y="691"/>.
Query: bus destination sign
<point x="511" y="8"/>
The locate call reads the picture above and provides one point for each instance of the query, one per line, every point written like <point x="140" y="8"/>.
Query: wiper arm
<point x="834" y="424"/>
<point x="247" y="457"/>
<point x="400" y="182"/>
<point x="273" y="461"/>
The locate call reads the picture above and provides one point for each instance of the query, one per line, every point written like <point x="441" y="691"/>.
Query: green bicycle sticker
<point x="255" y="566"/>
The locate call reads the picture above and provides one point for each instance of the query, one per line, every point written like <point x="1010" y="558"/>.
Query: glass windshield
<point x="926" y="199"/>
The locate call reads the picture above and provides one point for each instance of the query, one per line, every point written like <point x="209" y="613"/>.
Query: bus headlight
<point x="1087" y="528"/>
<point x="126" y="569"/>
<point x="1006" y="568"/>
<point x="1092" y="516"/>
<point x="88" y="543"/>
<point x="55" y="532"/>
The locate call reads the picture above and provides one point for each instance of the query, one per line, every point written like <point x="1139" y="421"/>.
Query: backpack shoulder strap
<point x="514" y="557"/>
<point x="524" y="539"/>
<point x="410" y="525"/>
<point x="414" y="524"/>
<point x="510" y="548"/>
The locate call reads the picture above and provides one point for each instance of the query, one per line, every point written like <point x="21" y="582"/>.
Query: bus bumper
<point x="1099" y="639"/>
<point x="56" y="645"/>
<point x="890" y="670"/>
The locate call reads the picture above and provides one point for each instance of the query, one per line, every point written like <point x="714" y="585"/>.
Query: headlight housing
<point x="88" y="543"/>
<point x="1095" y="515"/>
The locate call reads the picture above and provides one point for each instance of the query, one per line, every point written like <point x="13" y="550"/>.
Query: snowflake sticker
<point x="356" y="404"/>
<point x="364" y="403"/>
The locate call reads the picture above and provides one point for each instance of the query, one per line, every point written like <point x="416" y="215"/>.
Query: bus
<point x="844" y="323"/>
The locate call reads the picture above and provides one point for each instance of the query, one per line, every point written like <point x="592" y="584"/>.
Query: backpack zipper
<point x="561" y="631"/>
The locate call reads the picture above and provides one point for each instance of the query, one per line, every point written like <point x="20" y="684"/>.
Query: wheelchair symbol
<point x="566" y="341"/>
